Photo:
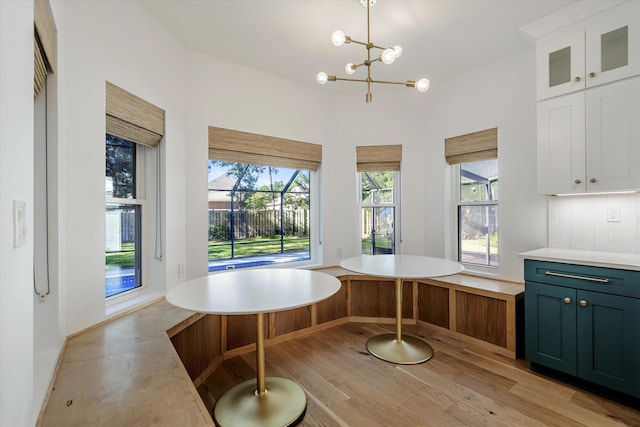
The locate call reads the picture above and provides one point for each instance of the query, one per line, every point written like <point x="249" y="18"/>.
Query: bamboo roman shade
<point x="372" y="158"/>
<point x="243" y="147"/>
<point x="133" y="118"/>
<point x="44" y="43"/>
<point x="472" y="147"/>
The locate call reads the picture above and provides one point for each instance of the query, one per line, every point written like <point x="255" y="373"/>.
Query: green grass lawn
<point x="260" y="246"/>
<point x="122" y="259"/>
<point x="217" y="250"/>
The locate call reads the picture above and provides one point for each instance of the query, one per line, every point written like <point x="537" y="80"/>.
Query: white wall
<point x="16" y="183"/>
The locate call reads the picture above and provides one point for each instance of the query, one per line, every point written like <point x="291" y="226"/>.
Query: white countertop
<point x="623" y="261"/>
<point x="401" y="266"/>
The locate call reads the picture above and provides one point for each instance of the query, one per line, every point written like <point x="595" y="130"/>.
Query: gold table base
<point x="282" y="404"/>
<point x="407" y="351"/>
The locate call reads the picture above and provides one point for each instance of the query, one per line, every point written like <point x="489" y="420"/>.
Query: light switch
<point x="19" y="223"/>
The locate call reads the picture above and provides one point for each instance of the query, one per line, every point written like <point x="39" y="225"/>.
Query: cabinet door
<point x="613" y="45"/>
<point x="609" y="341"/>
<point x="550" y="326"/>
<point x="560" y="65"/>
<point x="613" y="136"/>
<point x="561" y="145"/>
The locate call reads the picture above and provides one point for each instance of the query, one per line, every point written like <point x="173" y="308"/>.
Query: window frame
<point x="457" y="204"/>
<point x="396" y="204"/>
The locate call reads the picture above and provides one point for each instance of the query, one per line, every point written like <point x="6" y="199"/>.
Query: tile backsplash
<point x="609" y="223"/>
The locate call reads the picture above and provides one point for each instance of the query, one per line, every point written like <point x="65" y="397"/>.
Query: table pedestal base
<point x="282" y="404"/>
<point x="409" y="351"/>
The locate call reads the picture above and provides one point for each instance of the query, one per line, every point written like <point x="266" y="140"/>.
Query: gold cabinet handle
<point x="577" y="78"/>
<point x="577" y="181"/>
<point x="571" y="276"/>
<point x="592" y="74"/>
<point x="567" y="300"/>
<point x="583" y="303"/>
<point x="592" y="180"/>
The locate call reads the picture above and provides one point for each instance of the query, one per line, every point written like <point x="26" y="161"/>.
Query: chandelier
<point x="388" y="56"/>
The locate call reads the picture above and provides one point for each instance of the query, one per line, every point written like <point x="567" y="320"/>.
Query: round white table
<point x="398" y="348"/>
<point x="272" y="401"/>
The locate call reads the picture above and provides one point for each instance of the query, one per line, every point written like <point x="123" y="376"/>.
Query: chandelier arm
<point x="390" y="83"/>
<point x="379" y="47"/>
<point x="351" y="80"/>
<point x="359" y="42"/>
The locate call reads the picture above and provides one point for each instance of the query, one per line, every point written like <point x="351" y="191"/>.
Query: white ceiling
<point x="292" y="38"/>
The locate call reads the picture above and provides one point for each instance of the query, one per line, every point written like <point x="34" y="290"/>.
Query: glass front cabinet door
<point x="606" y="50"/>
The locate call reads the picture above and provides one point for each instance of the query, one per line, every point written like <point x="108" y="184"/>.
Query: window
<point x="123" y="218"/>
<point x="475" y="157"/>
<point x="378" y="212"/>
<point x="262" y="200"/>
<point x="258" y="215"/>
<point x="379" y="173"/>
<point x="478" y="213"/>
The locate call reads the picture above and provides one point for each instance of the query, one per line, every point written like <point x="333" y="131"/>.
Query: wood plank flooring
<point x="462" y="385"/>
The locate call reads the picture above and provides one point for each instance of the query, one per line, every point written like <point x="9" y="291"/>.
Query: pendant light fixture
<point x="387" y="56"/>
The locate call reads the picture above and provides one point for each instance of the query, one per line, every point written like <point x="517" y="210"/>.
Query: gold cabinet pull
<point x="577" y="181"/>
<point x="583" y="303"/>
<point x="567" y="300"/>
<point x="577" y="78"/>
<point x="592" y="74"/>
<point x="592" y="180"/>
<point x="571" y="276"/>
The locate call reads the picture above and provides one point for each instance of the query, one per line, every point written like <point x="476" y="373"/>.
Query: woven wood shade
<point x="373" y="158"/>
<point x="40" y="69"/>
<point x="472" y="147"/>
<point x="243" y="147"/>
<point x="45" y="44"/>
<point x="133" y="118"/>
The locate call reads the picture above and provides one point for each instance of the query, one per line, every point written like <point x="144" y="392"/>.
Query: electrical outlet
<point x="339" y="253"/>
<point x="180" y="271"/>
<point x="613" y="214"/>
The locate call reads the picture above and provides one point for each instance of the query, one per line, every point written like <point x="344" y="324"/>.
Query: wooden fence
<point x="252" y="224"/>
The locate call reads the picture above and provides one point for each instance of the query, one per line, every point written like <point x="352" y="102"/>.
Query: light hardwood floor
<point x="462" y="385"/>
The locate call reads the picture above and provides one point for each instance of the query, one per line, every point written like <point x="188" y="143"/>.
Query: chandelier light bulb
<point x="371" y="2"/>
<point x="349" y="68"/>
<point x="322" y="77"/>
<point x="423" y="85"/>
<point x="388" y="56"/>
<point x="397" y="50"/>
<point x="338" y="38"/>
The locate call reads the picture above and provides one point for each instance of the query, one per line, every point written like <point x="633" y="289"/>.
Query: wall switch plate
<point x="613" y="214"/>
<point x="19" y="223"/>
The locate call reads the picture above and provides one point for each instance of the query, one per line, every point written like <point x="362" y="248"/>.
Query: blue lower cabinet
<point x="593" y="335"/>
<point x="550" y="327"/>
<point x="609" y="341"/>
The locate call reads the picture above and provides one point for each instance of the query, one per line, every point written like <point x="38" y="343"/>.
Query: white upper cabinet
<point x="606" y="49"/>
<point x="589" y="141"/>
<point x="613" y="136"/>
